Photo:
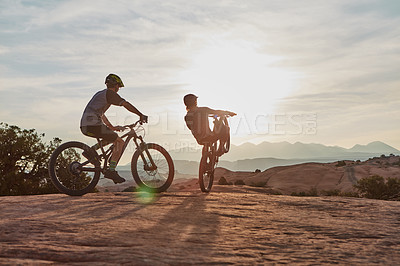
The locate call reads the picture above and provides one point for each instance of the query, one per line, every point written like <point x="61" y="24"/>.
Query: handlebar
<point x="131" y="126"/>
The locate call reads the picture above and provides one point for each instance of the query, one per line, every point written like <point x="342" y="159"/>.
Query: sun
<point x="235" y="75"/>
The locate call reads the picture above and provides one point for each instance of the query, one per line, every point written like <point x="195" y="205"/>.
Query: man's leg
<point x="118" y="145"/>
<point x="111" y="136"/>
<point x="222" y="137"/>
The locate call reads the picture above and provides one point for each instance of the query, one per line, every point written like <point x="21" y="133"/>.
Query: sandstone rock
<point x="234" y="226"/>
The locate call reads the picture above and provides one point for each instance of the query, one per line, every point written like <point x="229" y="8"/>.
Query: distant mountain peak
<point x="375" y="146"/>
<point x="297" y="150"/>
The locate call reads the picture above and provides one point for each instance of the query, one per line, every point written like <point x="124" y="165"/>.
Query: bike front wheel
<point x="206" y="172"/>
<point x="152" y="168"/>
<point x="71" y="172"/>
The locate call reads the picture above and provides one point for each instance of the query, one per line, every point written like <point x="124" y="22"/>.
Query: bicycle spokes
<point x="152" y="167"/>
<point x="71" y="171"/>
<point x="153" y="173"/>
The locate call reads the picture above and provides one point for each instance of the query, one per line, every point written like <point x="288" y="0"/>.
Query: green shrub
<point x="338" y="193"/>
<point x="239" y="182"/>
<point x="313" y="192"/>
<point x="333" y="192"/>
<point x="24" y="162"/>
<point x="375" y="187"/>
<point x="222" y="181"/>
<point x="129" y="189"/>
<point x="340" y="163"/>
<point x="259" y="184"/>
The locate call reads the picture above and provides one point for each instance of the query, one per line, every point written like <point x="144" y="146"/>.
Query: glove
<point x="144" y="118"/>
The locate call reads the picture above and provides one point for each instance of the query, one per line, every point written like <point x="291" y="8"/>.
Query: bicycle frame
<point x="139" y="142"/>
<point x="211" y="147"/>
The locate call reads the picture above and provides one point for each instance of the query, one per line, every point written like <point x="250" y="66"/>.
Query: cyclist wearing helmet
<point x="197" y="121"/>
<point x="95" y="124"/>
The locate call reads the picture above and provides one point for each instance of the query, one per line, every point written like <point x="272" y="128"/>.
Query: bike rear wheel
<point x="71" y="172"/>
<point x="152" y="178"/>
<point x="206" y="172"/>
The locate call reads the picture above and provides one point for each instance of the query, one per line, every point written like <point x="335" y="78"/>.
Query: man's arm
<point x="221" y="112"/>
<point x="134" y="110"/>
<point x="107" y="123"/>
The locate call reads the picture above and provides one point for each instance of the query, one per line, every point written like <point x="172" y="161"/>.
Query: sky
<point x="310" y="71"/>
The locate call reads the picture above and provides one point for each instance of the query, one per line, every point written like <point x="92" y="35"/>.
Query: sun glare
<point x="236" y="76"/>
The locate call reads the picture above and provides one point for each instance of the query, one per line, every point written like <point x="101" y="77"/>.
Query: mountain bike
<point x="75" y="168"/>
<point x="209" y="159"/>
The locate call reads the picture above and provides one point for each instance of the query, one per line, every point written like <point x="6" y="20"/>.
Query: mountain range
<point x="286" y="150"/>
<point x="249" y="157"/>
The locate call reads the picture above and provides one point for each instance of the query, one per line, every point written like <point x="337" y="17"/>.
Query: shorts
<point x="101" y="131"/>
<point x="221" y="133"/>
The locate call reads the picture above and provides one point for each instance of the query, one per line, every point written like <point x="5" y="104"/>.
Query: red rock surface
<point x="320" y="176"/>
<point x="231" y="225"/>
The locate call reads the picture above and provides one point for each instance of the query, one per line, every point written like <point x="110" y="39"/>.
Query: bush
<point x="129" y="189"/>
<point x="259" y="184"/>
<point x="257" y="171"/>
<point x="333" y="192"/>
<point x="338" y="193"/>
<point x="222" y="181"/>
<point x="340" y="163"/>
<point x="375" y="187"/>
<point x="23" y="161"/>
<point x="313" y="192"/>
<point x="239" y="182"/>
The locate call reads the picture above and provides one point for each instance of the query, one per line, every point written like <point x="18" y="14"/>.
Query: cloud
<point x="345" y="53"/>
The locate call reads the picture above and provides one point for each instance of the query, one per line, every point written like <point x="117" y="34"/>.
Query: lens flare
<point x="145" y="195"/>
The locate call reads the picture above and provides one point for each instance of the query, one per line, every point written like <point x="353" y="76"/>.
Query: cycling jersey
<point x="98" y="105"/>
<point x="197" y="121"/>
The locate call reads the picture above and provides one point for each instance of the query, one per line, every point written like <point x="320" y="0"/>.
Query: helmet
<point x="112" y="78"/>
<point x="190" y="99"/>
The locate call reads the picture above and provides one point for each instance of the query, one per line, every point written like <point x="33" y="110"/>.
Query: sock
<point x="112" y="165"/>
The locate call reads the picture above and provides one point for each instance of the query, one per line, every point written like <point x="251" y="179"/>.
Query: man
<point x="95" y="124"/>
<point x="197" y="121"/>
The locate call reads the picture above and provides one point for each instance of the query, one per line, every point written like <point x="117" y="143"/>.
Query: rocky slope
<point x="340" y="176"/>
<point x="231" y="225"/>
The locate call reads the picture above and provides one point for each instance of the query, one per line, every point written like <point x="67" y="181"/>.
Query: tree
<point x="23" y="161"/>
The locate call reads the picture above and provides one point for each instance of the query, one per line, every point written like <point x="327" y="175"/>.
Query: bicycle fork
<point x="149" y="164"/>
